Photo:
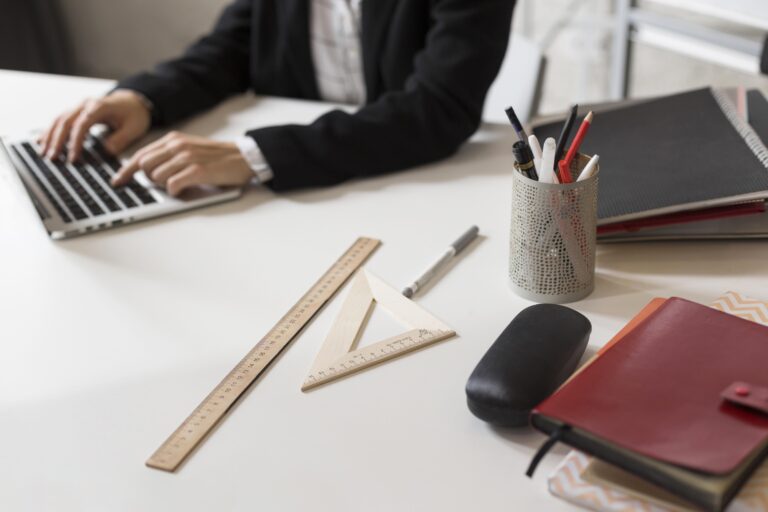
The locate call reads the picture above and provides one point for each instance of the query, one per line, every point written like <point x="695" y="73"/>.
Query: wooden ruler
<point x="216" y="405"/>
<point x="366" y="357"/>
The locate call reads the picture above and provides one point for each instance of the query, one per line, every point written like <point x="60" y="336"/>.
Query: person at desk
<point x="419" y="69"/>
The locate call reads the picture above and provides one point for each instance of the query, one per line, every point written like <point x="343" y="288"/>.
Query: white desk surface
<point x="108" y="341"/>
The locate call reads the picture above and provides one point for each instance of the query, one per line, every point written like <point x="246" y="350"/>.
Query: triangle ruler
<point x="338" y="357"/>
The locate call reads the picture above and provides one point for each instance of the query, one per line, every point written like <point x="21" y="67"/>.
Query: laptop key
<point x="105" y="197"/>
<point x="92" y="182"/>
<point x="105" y="155"/>
<point x="60" y="190"/>
<point x="125" y="198"/>
<point x="138" y="190"/>
<point x="84" y="195"/>
<point x="141" y="192"/>
<point x="94" y="206"/>
<point x="75" y="208"/>
<point x="63" y="214"/>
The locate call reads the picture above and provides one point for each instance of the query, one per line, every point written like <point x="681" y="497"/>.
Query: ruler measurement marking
<point x="382" y="351"/>
<point x="224" y="396"/>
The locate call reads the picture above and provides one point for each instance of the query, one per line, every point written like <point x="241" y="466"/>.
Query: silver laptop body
<point x="73" y="200"/>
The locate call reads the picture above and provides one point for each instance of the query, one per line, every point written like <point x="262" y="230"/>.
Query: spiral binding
<point x="741" y="126"/>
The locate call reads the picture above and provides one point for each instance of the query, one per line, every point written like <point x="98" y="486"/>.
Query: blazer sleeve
<point x="212" y="69"/>
<point x="438" y="109"/>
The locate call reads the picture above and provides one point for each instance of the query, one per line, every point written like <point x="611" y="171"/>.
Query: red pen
<point x="565" y="164"/>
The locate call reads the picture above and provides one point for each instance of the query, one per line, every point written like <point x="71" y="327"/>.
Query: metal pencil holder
<point x="553" y="237"/>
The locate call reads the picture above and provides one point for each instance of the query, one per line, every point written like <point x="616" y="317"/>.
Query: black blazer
<point x="427" y="65"/>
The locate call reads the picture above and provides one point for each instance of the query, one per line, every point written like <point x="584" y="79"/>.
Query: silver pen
<point x="455" y="248"/>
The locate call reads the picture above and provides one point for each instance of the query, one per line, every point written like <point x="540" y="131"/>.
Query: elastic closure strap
<point x="744" y="394"/>
<point x="556" y="436"/>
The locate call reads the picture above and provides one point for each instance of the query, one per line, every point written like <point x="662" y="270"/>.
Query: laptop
<point x="75" y="199"/>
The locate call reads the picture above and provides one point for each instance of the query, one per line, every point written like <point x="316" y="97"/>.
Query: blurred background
<point x="592" y="50"/>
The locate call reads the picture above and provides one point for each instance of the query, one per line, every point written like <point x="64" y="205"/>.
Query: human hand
<point x="123" y="111"/>
<point x="178" y="161"/>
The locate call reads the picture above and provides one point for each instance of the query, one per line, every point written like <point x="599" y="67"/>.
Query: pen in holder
<point x="553" y="237"/>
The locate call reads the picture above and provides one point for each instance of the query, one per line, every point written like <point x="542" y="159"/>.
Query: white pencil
<point x="547" y="173"/>
<point x="589" y="169"/>
<point x="533" y="142"/>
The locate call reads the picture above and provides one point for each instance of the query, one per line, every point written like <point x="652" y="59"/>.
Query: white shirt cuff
<point x="255" y="158"/>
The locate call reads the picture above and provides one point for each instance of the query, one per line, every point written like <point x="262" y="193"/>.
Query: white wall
<point x="112" y="38"/>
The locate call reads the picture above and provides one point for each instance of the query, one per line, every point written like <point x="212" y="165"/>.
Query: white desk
<point x="108" y="341"/>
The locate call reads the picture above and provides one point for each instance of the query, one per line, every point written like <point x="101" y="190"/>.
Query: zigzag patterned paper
<point x="748" y="309"/>
<point x="566" y="481"/>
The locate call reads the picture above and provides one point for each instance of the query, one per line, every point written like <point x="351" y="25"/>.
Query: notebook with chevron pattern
<point x="595" y="485"/>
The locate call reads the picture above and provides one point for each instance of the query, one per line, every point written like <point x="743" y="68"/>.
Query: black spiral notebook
<point x="684" y="152"/>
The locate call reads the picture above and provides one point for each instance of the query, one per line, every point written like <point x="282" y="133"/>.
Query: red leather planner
<point x="659" y="391"/>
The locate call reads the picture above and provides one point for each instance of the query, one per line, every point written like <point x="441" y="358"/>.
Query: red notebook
<point x="658" y="392"/>
<point x="657" y="221"/>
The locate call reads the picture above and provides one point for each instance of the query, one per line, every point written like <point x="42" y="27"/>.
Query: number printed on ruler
<point x="215" y="406"/>
<point x="375" y="354"/>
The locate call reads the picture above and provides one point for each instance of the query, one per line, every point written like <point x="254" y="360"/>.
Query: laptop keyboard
<point x="82" y="190"/>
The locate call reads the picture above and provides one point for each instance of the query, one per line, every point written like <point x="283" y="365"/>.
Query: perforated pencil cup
<point x="553" y="237"/>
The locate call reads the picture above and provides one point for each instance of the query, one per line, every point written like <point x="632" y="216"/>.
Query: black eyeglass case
<point x="531" y="358"/>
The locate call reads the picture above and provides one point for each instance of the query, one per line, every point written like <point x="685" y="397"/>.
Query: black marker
<point x="524" y="157"/>
<point x="564" y="135"/>
<point x="516" y="124"/>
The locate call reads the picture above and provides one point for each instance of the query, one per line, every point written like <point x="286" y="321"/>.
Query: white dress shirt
<point x="336" y="50"/>
<point x="337" y="55"/>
